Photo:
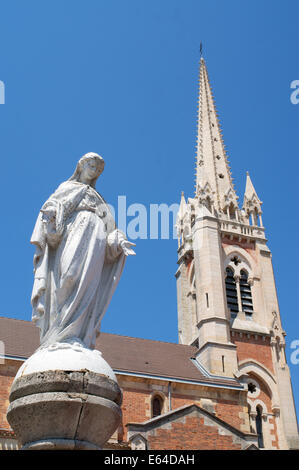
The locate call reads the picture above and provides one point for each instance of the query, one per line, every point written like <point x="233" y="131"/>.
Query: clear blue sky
<point x="119" y="77"/>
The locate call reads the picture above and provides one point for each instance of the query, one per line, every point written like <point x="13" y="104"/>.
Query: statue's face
<point x="90" y="170"/>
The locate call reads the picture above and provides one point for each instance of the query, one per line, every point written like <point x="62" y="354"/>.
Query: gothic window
<point x="246" y="297"/>
<point x="259" y="427"/>
<point x="157" y="405"/>
<point x="231" y="293"/>
<point x="236" y="260"/>
<point x="251" y="387"/>
<point x="238" y="287"/>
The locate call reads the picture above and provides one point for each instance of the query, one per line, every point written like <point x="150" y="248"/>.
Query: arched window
<point x="255" y="217"/>
<point x="231" y="293"/>
<point x="259" y="427"/>
<point x="245" y="289"/>
<point x="157" y="405"/>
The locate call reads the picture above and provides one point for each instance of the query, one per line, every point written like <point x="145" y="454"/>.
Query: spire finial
<point x="200" y="49"/>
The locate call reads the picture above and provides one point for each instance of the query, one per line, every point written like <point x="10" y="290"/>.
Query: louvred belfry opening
<point x="246" y="296"/>
<point x="231" y="292"/>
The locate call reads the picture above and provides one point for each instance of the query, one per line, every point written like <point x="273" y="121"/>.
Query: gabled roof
<point x="178" y="413"/>
<point x="126" y="355"/>
<point x="246" y="440"/>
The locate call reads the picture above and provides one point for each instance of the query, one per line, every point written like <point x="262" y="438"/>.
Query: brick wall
<point x="7" y="373"/>
<point x="247" y="246"/>
<point x="254" y="347"/>
<point x="191" y="433"/>
<point x="259" y="349"/>
<point x="230" y="413"/>
<point x="136" y="405"/>
<point x="178" y="400"/>
<point x="135" y="408"/>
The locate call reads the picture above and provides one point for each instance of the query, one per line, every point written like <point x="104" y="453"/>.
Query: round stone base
<point x="59" y="409"/>
<point x="60" y="444"/>
<point x="72" y="355"/>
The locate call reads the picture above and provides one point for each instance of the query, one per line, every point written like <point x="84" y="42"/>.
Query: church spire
<point x="182" y="208"/>
<point x="213" y="176"/>
<point x="249" y="189"/>
<point x="252" y="204"/>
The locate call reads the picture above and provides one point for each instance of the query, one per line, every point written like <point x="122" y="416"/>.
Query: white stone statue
<point x="78" y="261"/>
<point x="74" y="399"/>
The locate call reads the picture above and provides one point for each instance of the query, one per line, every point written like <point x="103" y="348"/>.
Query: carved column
<point x="237" y="279"/>
<point x="252" y="416"/>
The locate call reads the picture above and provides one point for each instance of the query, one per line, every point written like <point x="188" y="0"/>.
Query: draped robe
<point x="77" y="265"/>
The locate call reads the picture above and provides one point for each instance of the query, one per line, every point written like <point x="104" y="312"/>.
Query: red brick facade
<point x="254" y="347"/>
<point x="7" y="374"/>
<point x="191" y="434"/>
<point x="191" y="428"/>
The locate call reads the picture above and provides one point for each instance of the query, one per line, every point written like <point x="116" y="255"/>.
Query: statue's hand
<point x="49" y="219"/>
<point x="125" y="245"/>
<point x="52" y="228"/>
<point x="48" y="213"/>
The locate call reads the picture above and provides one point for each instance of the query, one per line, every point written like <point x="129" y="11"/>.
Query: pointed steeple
<point x="249" y="189"/>
<point x="182" y="208"/>
<point x="212" y="167"/>
<point x="251" y="204"/>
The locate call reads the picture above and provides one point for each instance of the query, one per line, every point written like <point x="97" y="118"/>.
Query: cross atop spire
<point x="212" y="167"/>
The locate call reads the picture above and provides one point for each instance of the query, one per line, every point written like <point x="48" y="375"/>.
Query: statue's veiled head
<point x="88" y="169"/>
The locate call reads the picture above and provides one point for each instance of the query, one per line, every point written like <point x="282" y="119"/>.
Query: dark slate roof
<point x="20" y="338"/>
<point x="124" y="354"/>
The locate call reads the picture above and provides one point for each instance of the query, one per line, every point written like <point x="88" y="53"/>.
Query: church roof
<point x="126" y="355"/>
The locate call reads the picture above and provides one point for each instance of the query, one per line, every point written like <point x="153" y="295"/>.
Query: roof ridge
<point x="107" y="333"/>
<point x="16" y="319"/>
<point x="146" y="339"/>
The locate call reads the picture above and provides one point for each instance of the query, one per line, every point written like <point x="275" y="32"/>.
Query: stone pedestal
<point x="64" y="409"/>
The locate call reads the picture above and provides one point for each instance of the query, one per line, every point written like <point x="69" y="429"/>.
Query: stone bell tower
<point x="227" y="302"/>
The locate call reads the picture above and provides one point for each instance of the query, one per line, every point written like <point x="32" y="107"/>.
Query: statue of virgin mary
<point x="78" y="260"/>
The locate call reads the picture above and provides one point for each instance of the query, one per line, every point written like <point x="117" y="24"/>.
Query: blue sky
<point x="119" y="77"/>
